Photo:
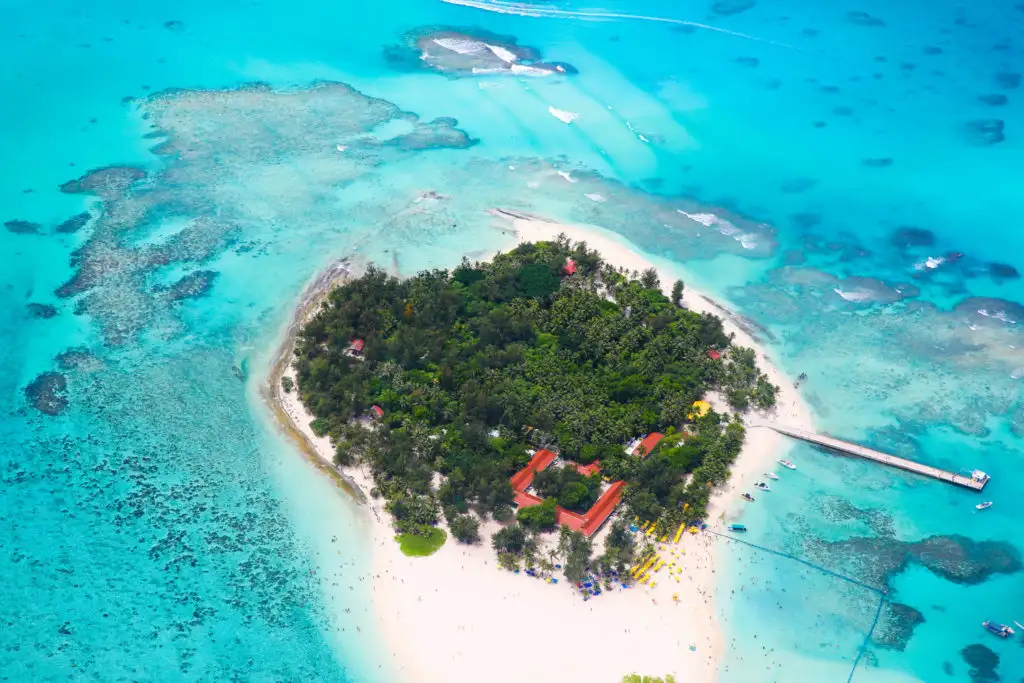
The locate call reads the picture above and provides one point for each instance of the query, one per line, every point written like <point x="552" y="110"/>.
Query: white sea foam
<point x="930" y="263"/>
<point x="998" y="315"/>
<point x="710" y="220"/>
<point x="855" y="296"/>
<point x="341" y="148"/>
<point x="501" y="53"/>
<point x="637" y="133"/>
<point x="525" y="70"/>
<point x="461" y="45"/>
<point x="562" y="115"/>
<point x="595" y="197"/>
<point x="565" y="174"/>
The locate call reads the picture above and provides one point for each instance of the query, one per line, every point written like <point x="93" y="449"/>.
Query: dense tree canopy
<point x="475" y="366"/>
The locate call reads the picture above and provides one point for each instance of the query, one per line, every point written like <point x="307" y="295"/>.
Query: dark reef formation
<point x="955" y="558"/>
<point x="42" y="311"/>
<point x="47" y="393"/>
<point x="877" y="162"/>
<point x="985" y="132"/>
<point x="74" y="224"/>
<point x="20" y="227"/>
<point x="190" y="286"/>
<point x="983" y="662"/>
<point x="469" y="52"/>
<point x="896" y="626"/>
<point x="109" y="181"/>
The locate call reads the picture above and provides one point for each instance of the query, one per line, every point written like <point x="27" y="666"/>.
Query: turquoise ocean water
<point x="862" y="164"/>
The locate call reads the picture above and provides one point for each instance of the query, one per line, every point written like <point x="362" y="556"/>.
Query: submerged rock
<point x="46" y="393"/>
<point x="798" y="185"/>
<point x="75" y="223"/>
<point x="1003" y="271"/>
<point x="20" y="227"/>
<point x="469" y="52"/>
<point x="994" y="99"/>
<point x="877" y="162"/>
<point x="985" y="132"/>
<point x="863" y="19"/>
<point x="43" y="311"/>
<point x="751" y="62"/>
<point x="909" y="236"/>
<point x="1008" y="80"/>
<point x="729" y="7"/>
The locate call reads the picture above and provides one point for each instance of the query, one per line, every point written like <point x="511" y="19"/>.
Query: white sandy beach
<point x="454" y="617"/>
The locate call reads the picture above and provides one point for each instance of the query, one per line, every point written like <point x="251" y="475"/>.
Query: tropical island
<point x="538" y="390"/>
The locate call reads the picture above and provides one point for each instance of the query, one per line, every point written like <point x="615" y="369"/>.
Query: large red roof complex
<point x="590" y="521"/>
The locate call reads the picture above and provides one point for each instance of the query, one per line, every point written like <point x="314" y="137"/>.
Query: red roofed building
<point x="357" y="345"/>
<point x="647" y="445"/>
<point x="714" y="355"/>
<point x="522" y="479"/>
<point x="376" y="411"/>
<point x="570" y="266"/>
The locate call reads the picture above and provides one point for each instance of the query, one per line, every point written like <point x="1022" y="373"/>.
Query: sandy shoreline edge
<point x="455" y="617"/>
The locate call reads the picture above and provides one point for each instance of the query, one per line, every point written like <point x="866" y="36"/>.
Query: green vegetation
<point x="422" y="545"/>
<point x="287" y="384"/>
<point x="637" y="678"/>
<point x="475" y="366"/>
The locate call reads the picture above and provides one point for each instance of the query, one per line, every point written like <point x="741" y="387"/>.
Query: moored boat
<point x="787" y="464"/>
<point x="763" y="486"/>
<point x="737" y="527"/>
<point x="1000" y="630"/>
<point x="748" y="497"/>
<point x="771" y="475"/>
<point x="983" y="506"/>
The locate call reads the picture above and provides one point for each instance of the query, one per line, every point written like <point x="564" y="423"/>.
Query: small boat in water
<point x="763" y="486"/>
<point x="983" y="506"/>
<point x="787" y="464"/>
<point x="748" y="497"/>
<point x="737" y="527"/>
<point x="771" y="475"/>
<point x="995" y="629"/>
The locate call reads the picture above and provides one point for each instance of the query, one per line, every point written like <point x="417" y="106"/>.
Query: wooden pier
<point x="976" y="482"/>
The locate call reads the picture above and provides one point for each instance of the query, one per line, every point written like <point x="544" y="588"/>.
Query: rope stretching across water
<point x="880" y="592"/>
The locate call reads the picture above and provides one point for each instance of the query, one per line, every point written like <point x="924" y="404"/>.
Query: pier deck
<point x="878" y="456"/>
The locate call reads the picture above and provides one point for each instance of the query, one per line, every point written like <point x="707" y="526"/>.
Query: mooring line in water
<point x="867" y="638"/>
<point x="801" y="561"/>
<point x="527" y="10"/>
<point x="881" y="593"/>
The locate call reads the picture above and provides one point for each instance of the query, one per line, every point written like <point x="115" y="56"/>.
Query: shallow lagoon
<point x="135" y="550"/>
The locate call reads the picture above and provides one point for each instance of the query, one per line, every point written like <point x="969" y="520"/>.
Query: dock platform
<point x="976" y="481"/>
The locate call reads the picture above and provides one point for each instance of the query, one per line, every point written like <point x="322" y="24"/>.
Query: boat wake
<point x="527" y="10"/>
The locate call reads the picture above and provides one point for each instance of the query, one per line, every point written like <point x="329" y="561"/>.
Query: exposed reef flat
<point x="469" y="52"/>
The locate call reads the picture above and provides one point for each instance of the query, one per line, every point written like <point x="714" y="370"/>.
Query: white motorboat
<point x="787" y="464"/>
<point x="763" y="486"/>
<point x="983" y="506"/>
<point x="771" y="475"/>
